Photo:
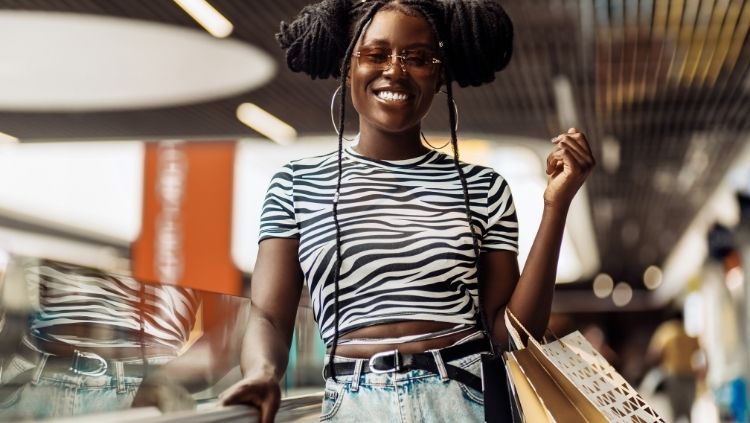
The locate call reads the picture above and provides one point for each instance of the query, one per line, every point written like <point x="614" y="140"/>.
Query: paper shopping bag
<point x="541" y="398"/>
<point x="590" y="382"/>
<point x="572" y="382"/>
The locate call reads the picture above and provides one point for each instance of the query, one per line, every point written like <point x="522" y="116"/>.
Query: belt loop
<point x="39" y="368"/>
<point x="440" y="365"/>
<point x="357" y="374"/>
<point x="120" y="376"/>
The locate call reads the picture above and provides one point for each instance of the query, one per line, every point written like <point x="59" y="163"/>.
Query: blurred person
<point x="679" y="357"/>
<point x="397" y="241"/>
<point x="722" y="333"/>
<point x="97" y="342"/>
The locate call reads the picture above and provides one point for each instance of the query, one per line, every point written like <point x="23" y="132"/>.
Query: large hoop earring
<point x="333" y="120"/>
<point x="455" y="128"/>
<point x="455" y="111"/>
<point x="432" y="146"/>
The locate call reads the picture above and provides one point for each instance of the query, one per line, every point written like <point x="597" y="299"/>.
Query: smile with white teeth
<point x="391" y="96"/>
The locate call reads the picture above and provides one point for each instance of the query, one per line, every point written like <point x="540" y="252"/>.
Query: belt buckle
<point x="397" y="362"/>
<point x="78" y="355"/>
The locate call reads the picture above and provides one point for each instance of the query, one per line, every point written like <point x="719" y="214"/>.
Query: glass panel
<point x="75" y="340"/>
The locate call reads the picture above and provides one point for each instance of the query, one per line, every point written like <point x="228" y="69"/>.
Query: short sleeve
<point x="277" y="218"/>
<point x="502" y="223"/>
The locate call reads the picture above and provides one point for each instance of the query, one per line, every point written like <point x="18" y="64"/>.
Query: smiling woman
<point x="409" y="254"/>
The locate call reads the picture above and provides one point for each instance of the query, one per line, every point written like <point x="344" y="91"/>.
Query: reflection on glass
<point x="76" y="340"/>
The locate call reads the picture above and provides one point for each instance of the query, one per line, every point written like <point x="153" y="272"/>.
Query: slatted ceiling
<point x="650" y="73"/>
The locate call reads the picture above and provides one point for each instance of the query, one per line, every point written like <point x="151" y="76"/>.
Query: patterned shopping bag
<point x="567" y="380"/>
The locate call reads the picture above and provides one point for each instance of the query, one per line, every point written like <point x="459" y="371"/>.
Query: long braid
<point x="342" y="110"/>
<point x="475" y="242"/>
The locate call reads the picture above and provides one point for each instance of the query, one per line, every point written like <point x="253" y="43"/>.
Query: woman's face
<point x="394" y="100"/>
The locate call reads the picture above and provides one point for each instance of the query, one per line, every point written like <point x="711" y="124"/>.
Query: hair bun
<point x="319" y="28"/>
<point x="480" y="40"/>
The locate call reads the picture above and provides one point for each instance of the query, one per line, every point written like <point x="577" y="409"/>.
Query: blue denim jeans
<point x="63" y="394"/>
<point x="413" y="396"/>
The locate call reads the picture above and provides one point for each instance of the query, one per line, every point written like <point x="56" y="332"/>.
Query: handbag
<point x="567" y="380"/>
<point x="500" y="405"/>
<point x="500" y="402"/>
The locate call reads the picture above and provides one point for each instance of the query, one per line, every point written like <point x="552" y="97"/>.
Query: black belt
<point x="394" y="361"/>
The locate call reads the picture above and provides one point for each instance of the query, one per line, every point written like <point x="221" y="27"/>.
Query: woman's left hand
<point x="568" y="166"/>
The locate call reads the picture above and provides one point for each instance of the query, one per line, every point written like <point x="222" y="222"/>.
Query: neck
<point x="381" y="145"/>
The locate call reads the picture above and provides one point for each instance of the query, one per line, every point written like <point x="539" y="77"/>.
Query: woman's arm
<point x="529" y="295"/>
<point x="274" y="294"/>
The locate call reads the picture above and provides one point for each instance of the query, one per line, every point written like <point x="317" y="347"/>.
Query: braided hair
<point x="475" y="39"/>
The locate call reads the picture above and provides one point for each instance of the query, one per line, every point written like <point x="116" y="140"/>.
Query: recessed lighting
<point x="603" y="285"/>
<point x="652" y="277"/>
<point x="267" y="124"/>
<point x="208" y="17"/>
<point x="622" y="294"/>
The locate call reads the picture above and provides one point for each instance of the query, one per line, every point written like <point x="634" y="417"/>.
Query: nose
<point x="392" y="65"/>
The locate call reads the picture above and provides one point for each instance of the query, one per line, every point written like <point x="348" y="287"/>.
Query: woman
<point x="381" y="231"/>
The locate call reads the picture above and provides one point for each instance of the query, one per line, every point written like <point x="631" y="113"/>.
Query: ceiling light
<point x="5" y="138"/>
<point x="106" y="63"/>
<point x="622" y="294"/>
<point x="208" y="17"/>
<point x="266" y="123"/>
<point x="603" y="285"/>
<point x="652" y="277"/>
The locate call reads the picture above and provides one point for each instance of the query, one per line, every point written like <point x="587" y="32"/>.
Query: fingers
<point x="266" y="398"/>
<point x="268" y="409"/>
<point x="579" y="138"/>
<point x="575" y="142"/>
<point x="578" y="151"/>
<point x="570" y="153"/>
<point x="558" y="158"/>
<point x="234" y="395"/>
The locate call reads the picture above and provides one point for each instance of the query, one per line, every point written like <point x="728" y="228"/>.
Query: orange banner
<point x="186" y="231"/>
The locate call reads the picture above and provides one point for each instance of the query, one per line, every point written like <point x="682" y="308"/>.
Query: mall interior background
<point x="138" y="142"/>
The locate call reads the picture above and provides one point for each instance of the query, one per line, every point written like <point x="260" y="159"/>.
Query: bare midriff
<point x="395" y="330"/>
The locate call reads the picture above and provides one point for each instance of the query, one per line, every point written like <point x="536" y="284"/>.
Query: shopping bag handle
<point x="511" y="328"/>
<point x="516" y="336"/>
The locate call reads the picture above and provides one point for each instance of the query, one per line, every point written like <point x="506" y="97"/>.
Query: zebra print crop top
<point x="406" y="248"/>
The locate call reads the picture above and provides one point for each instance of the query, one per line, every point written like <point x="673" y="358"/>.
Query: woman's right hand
<point x="263" y="393"/>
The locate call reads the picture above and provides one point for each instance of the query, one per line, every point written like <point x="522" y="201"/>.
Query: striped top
<point x="109" y="307"/>
<point x="406" y="248"/>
